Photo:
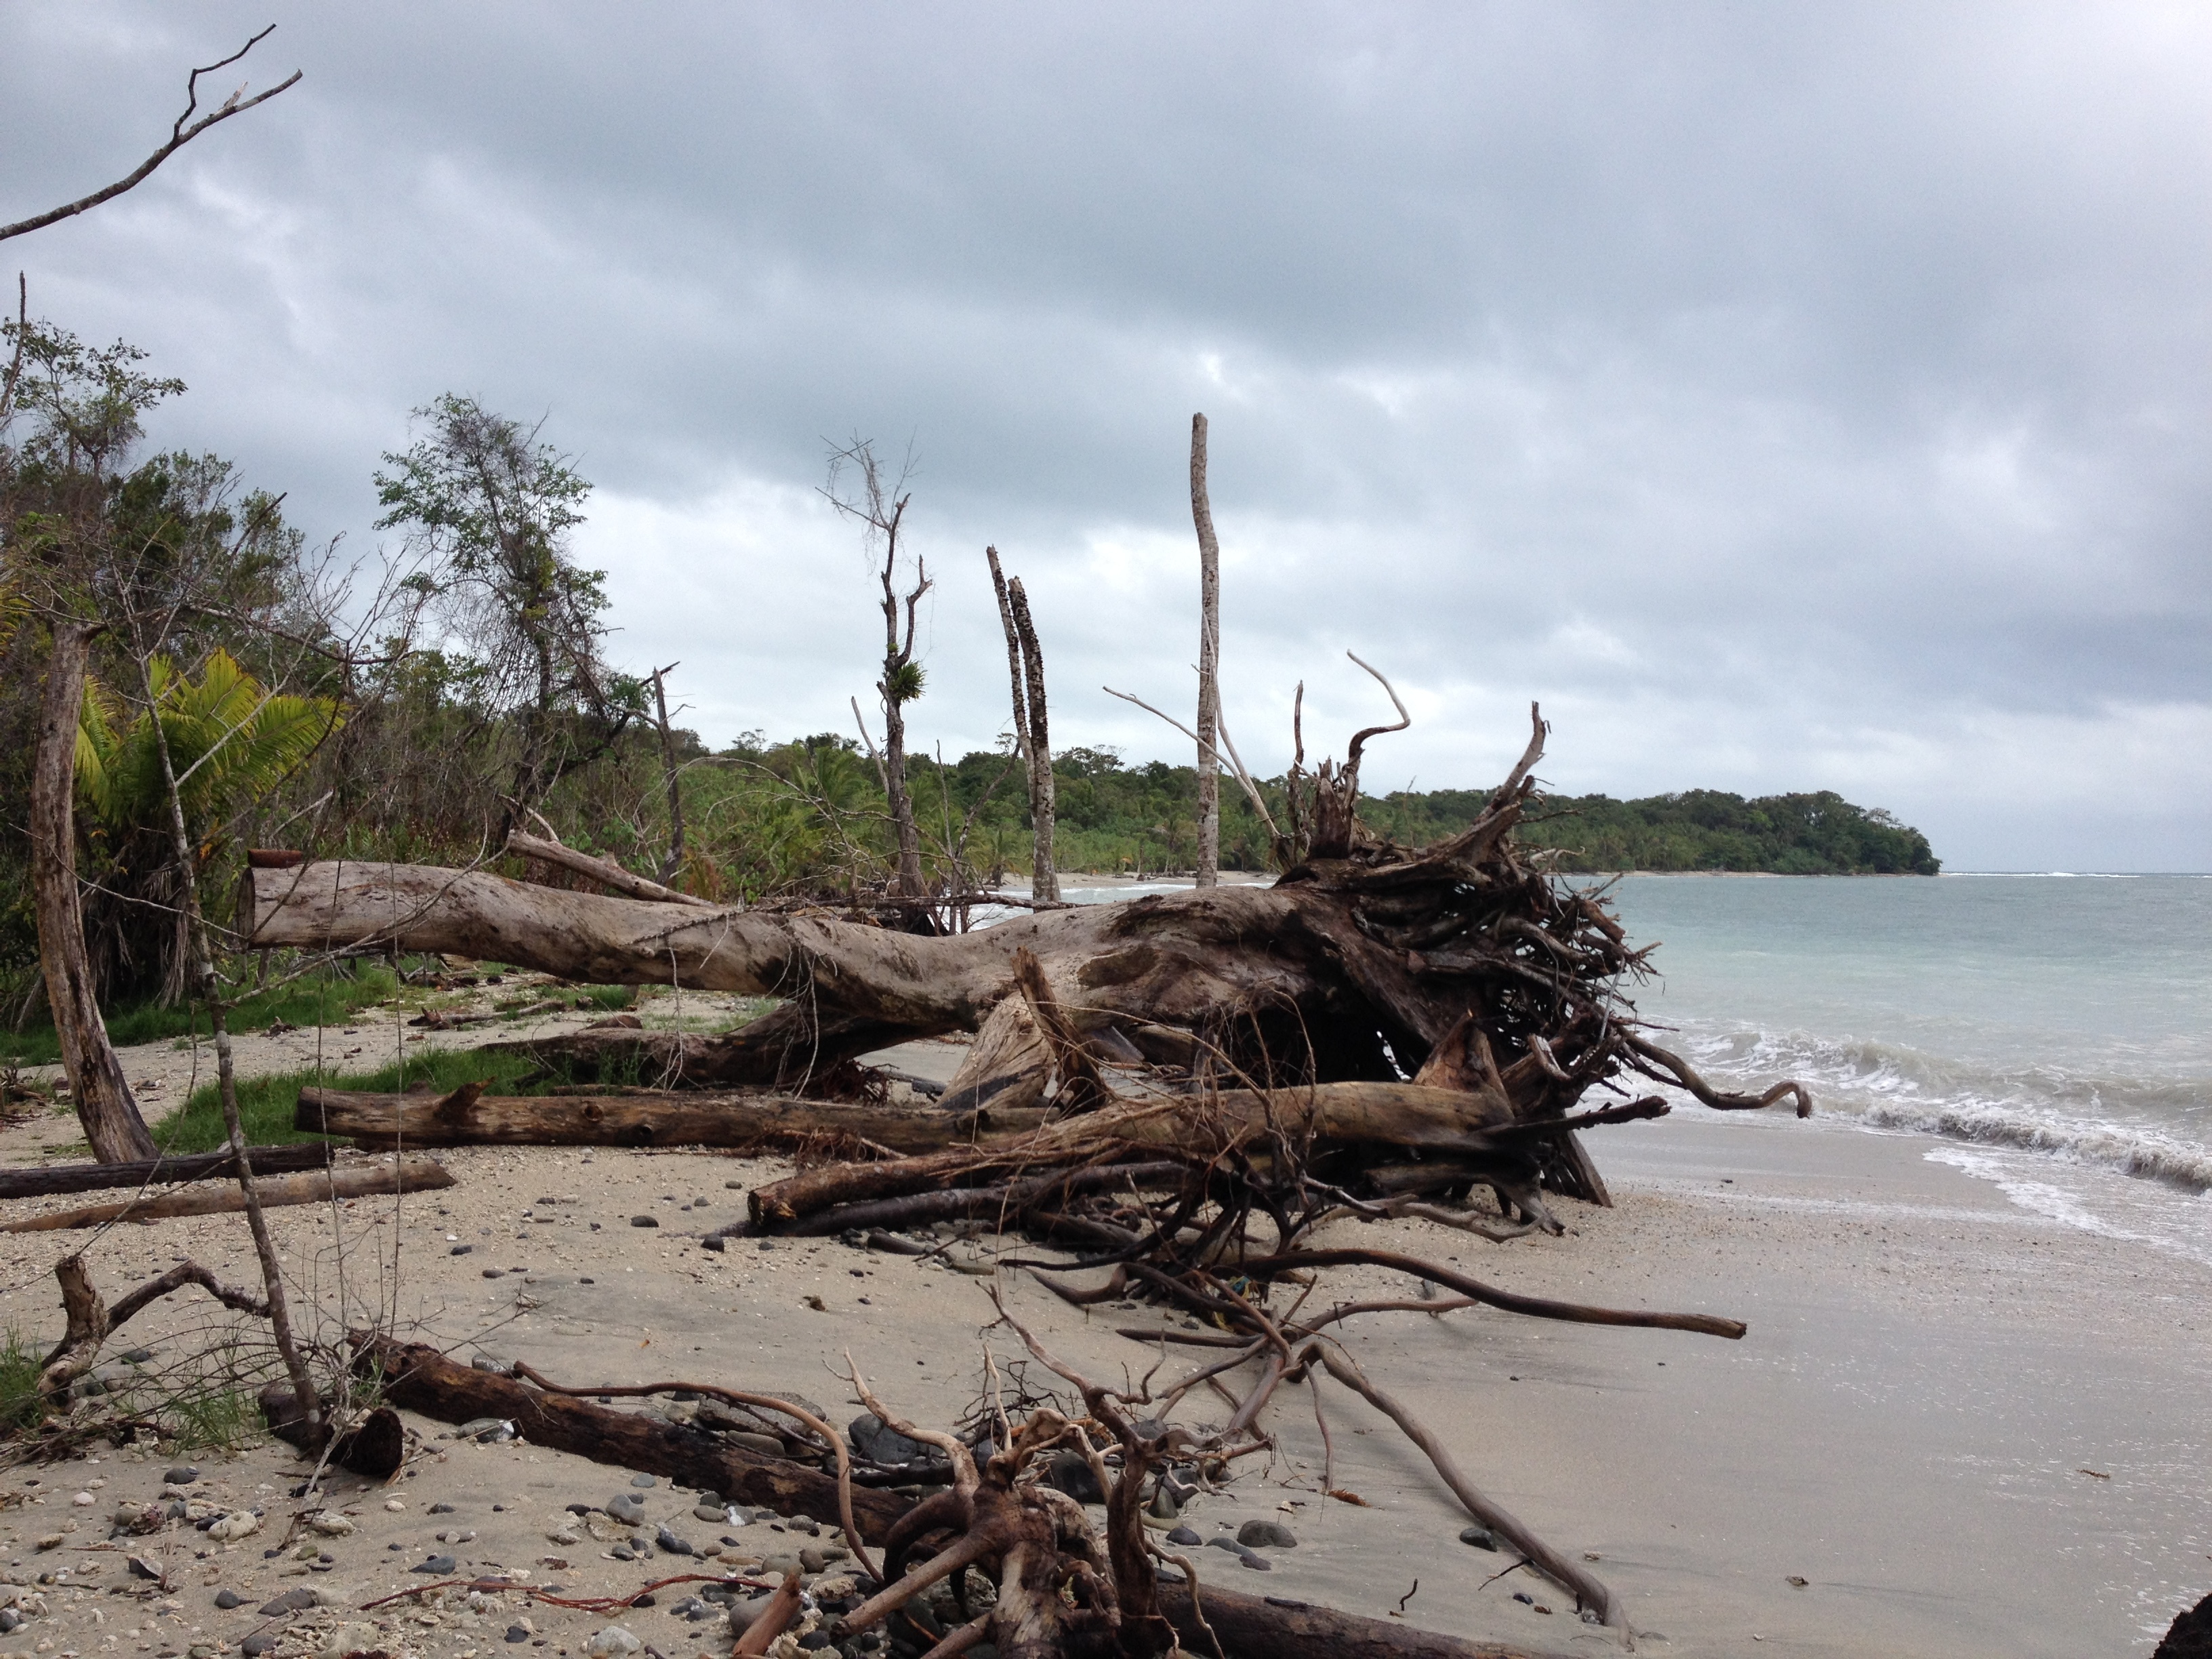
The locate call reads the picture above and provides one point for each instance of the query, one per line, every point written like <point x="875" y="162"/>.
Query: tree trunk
<point x="910" y="883"/>
<point x="674" y="862"/>
<point x="196" y="1166"/>
<point x="1044" y="881"/>
<point x="411" y="1174"/>
<point x="753" y="1122"/>
<point x="1209" y="662"/>
<point x="97" y="1087"/>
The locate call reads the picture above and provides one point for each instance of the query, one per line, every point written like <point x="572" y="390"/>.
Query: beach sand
<point x="1931" y="1373"/>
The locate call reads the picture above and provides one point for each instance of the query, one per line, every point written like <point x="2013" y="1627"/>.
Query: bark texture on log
<point x="682" y="1119"/>
<point x="192" y="1166"/>
<point x="1276" y="1627"/>
<point x="417" y="1378"/>
<point x="101" y="1093"/>
<point x="412" y="1174"/>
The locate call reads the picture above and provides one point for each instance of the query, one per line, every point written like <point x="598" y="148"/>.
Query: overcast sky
<point x="1788" y="396"/>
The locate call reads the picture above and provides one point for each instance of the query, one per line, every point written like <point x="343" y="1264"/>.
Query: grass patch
<point x="309" y="1002"/>
<point x="267" y="1104"/>
<point x="19" y="1405"/>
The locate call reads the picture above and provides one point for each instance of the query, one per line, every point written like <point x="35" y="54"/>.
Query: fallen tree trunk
<point x="1355" y="967"/>
<point x="191" y="1166"/>
<point x="1277" y="1627"/>
<point x="737" y="1122"/>
<point x="1194" y="1127"/>
<point x="410" y="1175"/>
<point x="417" y="1378"/>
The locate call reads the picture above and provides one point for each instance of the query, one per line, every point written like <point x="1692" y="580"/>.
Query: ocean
<point x="2053" y="1031"/>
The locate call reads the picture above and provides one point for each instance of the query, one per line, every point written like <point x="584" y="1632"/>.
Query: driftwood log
<point x="1355" y="967"/>
<point x="410" y="1175"/>
<point x="419" y="1379"/>
<point x="191" y="1166"/>
<point x="737" y="1122"/>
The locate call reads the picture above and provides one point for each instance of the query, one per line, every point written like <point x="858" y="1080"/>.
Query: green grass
<point x="308" y="1002"/>
<point x="20" y="1405"/>
<point x="267" y="1103"/>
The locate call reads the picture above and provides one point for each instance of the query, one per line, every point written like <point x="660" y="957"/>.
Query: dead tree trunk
<point x="1025" y="662"/>
<point x="97" y="1087"/>
<point x="1043" y="811"/>
<point x="1348" y="969"/>
<point x="1209" y="662"/>
<point x="674" y="862"/>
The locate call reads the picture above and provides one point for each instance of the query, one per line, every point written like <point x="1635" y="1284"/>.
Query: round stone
<point x="183" y="1475"/>
<point x="644" y="1221"/>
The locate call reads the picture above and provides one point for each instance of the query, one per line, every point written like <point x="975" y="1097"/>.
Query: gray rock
<point x="622" y="1552"/>
<point x="484" y="1362"/>
<point x="460" y="1249"/>
<point x="645" y="1221"/>
<point x="140" y="1567"/>
<point x="643" y="1482"/>
<point x="516" y="1633"/>
<point x="290" y="1601"/>
<point x="1221" y="1540"/>
<point x="668" y="1543"/>
<point x="9" y="1618"/>
<point x="1266" y="1534"/>
<point x="254" y="1646"/>
<point x="183" y="1475"/>
<point x="138" y="1356"/>
<point x="1479" y="1537"/>
<point x="884" y="1444"/>
<point x="1184" y="1536"/>
<point x="711" y="1512"/>
<point x="766" y="1445"/>
<point x="436" y="1565"/>
<point x="227" y="1599"/>
<point x="441" y="1509"/>
<point x="1256" y="1561"/>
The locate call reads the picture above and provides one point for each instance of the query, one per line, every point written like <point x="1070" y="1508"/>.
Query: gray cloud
<point x="1790" y="399"/>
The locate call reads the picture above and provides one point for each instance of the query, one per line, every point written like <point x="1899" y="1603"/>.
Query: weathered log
<point x="655" y="1119"/>
<point x="191" y="1166"/>
<point x="606" y="872"/>
<point x="89" y="1322"/>
<point x="410" y="1175"/>
<point x="418" y="1378"/>
<point x="1277" y="1627"/>
<point x="1197" y="1127"/>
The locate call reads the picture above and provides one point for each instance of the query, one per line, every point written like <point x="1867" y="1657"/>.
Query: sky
<point x="1786" y="397"/>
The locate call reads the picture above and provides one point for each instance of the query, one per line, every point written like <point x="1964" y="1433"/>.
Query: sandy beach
<point x="1966" y="1428"/>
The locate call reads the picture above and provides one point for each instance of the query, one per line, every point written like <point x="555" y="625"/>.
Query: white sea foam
<point x="2137" y="1126"/>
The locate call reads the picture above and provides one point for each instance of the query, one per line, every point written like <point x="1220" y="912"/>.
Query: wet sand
<point x="1929" y="1373"/>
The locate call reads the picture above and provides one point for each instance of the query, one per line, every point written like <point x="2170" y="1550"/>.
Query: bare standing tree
<point x="179" y="136"/>
<point x="1209" y="664"/>
<point x="674" y="862"/>
<point x="1032" y="738"/>
<point x="880" y="506"/>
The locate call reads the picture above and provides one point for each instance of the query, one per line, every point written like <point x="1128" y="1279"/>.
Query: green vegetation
<point x="313" y="1001"/>
<point x="267" y="1103"/>
<point x="1814" y="834"/>
<point x="20" y="1405"/>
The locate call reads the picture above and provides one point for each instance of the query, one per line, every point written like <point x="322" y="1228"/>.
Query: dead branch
<point x="179" y="136"/>
<point x="90" y="1322"/>
<point x="410" y="1175"/>
<point x="606" y="872"/>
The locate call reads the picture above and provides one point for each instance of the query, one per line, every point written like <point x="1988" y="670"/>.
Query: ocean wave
<point x="2137" y="1126"/>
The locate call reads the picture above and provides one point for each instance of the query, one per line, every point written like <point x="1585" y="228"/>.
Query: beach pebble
<point x="1266" y="1534"/>
<point x="670" y="1543"/>
<point x="461" y="1249"/>
<point x="1256" y="1561"/>
<point x="84" y="1500"/>
<point x="227" y="1599"/>
<point x="644" y="1221"/>
<point x="254" y="1646"/>
<point x="329" y="1524"/>
<point x="9" y="1618"/>
<point x="1184" y="1536"/>
<point x="564" y="1536"/>
<point x="183" y="1475"/>
<point x="622" y="1552"/>
<point x="1479" y="1537"/>
<point x="612" y="1642"/>
<point x="468" y="1537"/>
<point x="236" y="1525"/>
<point x="712" y="1512"/>
<point x="139" y="1567"/>
<point x="395" y="1505"/>
<point x="292" y="1601"/>
<point x="441" y="1509"/>
<point x="643" y="1481"/>
<point x="436" y="1565"/>
<point x="516" y="1633"/>
<point x="484" y="1362"/>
